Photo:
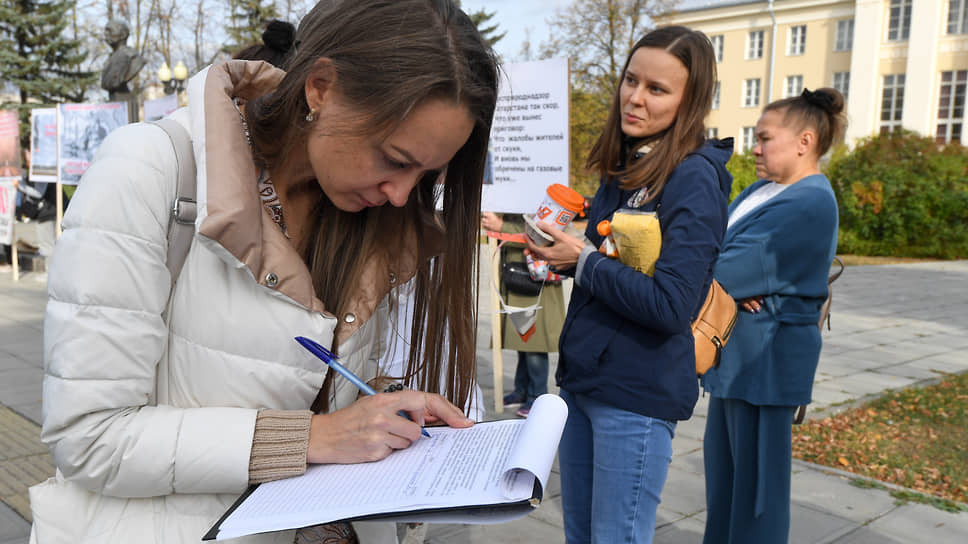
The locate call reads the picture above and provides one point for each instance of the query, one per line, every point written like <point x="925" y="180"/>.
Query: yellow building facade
<point x="900" y="63"/>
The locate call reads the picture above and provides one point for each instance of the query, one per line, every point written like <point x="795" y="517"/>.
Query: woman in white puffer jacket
<point x="315" y="194"/>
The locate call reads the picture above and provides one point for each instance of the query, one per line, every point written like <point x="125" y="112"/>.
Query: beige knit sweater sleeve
<point x="279" y="445"/>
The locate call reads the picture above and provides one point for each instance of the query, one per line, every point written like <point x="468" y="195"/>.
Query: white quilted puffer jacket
<point x="160" y="416"/>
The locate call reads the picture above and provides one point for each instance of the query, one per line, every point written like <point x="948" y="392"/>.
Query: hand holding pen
<point x="371" y="428"/>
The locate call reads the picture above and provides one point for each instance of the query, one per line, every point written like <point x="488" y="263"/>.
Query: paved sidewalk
<point x="893" y="326"/>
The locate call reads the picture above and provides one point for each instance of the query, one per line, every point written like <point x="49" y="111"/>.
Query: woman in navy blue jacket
<point x="626" y="364"/>
<point x="781" y="239"/>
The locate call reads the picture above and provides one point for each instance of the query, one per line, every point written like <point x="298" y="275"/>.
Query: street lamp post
<point x="173" y="80"/>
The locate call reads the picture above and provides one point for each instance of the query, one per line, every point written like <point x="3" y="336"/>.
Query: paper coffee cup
<point x="560" y="205"/>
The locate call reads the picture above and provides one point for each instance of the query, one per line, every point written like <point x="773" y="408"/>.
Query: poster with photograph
<point x="81" y="129"/>
<point x="8" y="203"/>
<point x="43" y="144"/>
<point x="9" y="144"/>
<point x="528" y="150"/>
<point x="160" y="107"/>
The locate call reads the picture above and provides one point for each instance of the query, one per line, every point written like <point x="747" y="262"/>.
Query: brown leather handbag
<point x="712" y="328"/>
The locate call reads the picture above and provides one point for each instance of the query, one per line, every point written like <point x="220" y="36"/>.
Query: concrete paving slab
<point x="809" y="526"/>
<point x="908" y="370"/>
<point x="950" y="363"/>
<point x="683" y="444"/>
<point x="830" y="394"/>
<point x="684" y="492"/>
<point x="13" y="528"/>
<point x="690" y="462"/>
<point x="526" y="530"/>
<point x="868" y="383"/>
<point x="693" y="427"/>
<point x="20" y="385"/>
<point x="685" y="531"/>
<point x="918" y="523"/>
<point x="832" y="493"/>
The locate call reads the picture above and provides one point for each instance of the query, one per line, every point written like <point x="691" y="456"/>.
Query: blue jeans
<point x="613" y="466"/>
<point x="531" y="376"/>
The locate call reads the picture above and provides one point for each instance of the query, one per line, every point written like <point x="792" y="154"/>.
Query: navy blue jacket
<point x="782" y="249"/>
<point x="627" y="340"/>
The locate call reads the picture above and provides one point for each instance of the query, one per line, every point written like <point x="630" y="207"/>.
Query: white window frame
<point x="754" y="44"/>
<point x="952" y="94"/>
<point x="899" y="20"/>
<point x="717" y="42"/>
<point x="748" y="139"/>
<point x="752" y="89"/>
<point x="892" y="102"/>
<point x="797" y="41"/>
<point x="712" y="133"/>
<point x="841" y="82"/>
<point x="957" y="16"/>
<point x="794" y="86"/>
<point x="844" y="38"/>
<point x="716" y="90"/>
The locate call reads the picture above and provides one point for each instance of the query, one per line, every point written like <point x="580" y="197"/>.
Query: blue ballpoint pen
<point x="332" y="360"/>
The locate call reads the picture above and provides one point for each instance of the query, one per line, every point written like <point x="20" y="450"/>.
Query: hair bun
<point x="829" y="100"/>
<point x="279" y="35"/>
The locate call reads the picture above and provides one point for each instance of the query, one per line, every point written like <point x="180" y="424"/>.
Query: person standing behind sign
<point x="531" y="374"/>
<point x="781" y="239"/>
<point x="626" y="364"/>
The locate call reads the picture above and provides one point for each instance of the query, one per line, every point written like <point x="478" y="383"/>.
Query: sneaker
<point x="513" y="400"/>
<point x="525" y="409"/>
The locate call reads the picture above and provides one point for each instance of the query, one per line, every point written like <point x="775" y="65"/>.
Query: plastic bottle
<point x="608" y="247"/>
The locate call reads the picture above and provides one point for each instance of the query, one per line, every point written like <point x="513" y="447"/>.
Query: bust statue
<point x="123" y="64"/>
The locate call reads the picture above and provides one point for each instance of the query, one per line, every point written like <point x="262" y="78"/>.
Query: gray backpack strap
<point x="181" y="221"/>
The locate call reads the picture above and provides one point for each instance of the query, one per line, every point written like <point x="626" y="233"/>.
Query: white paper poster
<point x="43" y="144"/>
<point x="528" y="149"/>
<point x="8" y="204"/>
<point x="81" y="129"/>
<point x="9" y="144"/>
<point x="160" y="107"/>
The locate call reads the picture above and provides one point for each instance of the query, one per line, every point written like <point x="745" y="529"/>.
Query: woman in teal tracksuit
<point x="780" y="241"/>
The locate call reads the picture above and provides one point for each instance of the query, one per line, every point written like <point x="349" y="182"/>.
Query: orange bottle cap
<point x="604" y="227"/>
<point x="567" y="197"/>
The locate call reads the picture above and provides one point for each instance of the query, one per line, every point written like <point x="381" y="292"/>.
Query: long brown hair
<point x="389" y="55"/>
<point x="686" y="133"/>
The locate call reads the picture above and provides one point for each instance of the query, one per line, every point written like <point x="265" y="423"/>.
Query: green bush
<point x="743" y="169"/>
<point x="902" y="195"/>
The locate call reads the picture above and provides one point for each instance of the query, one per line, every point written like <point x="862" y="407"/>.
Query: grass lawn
<point x="916" y="438"/>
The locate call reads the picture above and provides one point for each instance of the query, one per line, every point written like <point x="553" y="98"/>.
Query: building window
<point x="845" y="35"/>
<point x="957" y="16"/>
<point x="951" y="107"/>
<point x="794" y="86"/>
<point x="751" y="96"/>
<point x="716" y="88"/>
<point x="717" y="46"/>
<point x="899" y="24"/>
<point x="798" y="40"/>
<point x="712" y="133"/>
<point x="754" y="45"/>
<point x="892" y="102"/>
<point x="842" y="82"/>
<point x="749" y="138"/>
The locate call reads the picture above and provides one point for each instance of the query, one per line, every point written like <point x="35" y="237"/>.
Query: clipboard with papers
<point x="492" y="472"/>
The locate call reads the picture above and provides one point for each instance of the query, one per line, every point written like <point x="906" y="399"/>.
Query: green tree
<point x="37" y="56"/>
<point x="596" y="36"/>
<point x="482" y="20"/>
<point x="247" y="20"/>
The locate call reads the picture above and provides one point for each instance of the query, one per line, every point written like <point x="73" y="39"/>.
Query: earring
<point x="311" y="116"/>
